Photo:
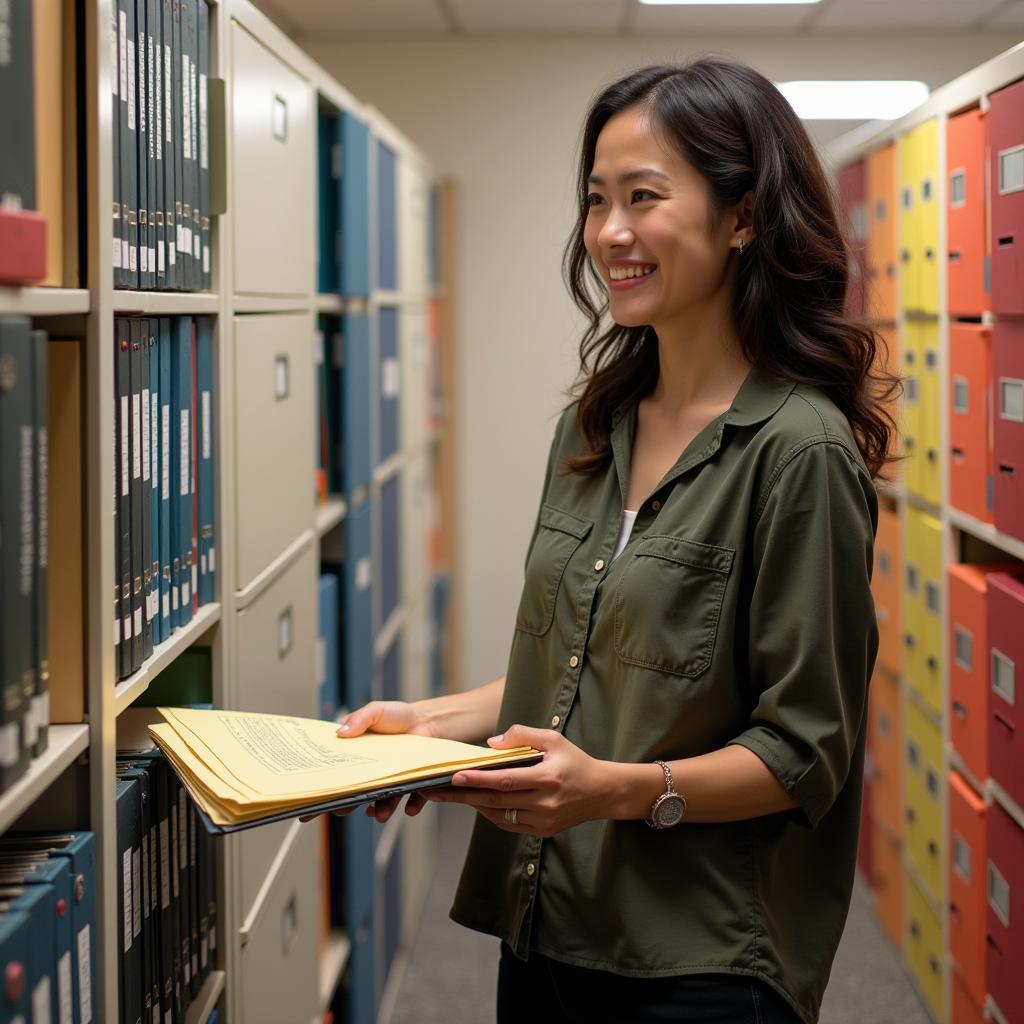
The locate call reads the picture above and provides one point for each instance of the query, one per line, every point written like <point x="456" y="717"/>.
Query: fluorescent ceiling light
<point x="853" y="101"/>
<point x="719" y="3"/>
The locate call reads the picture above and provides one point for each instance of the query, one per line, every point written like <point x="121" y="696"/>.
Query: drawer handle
<point x="915" y="929"/>
<point x="911" y="814"/>
<point x="929" y="254"/>
<point x="933" y="963"/>
<point x="992" y="942"/>
<point x="933" y="662"/>
<point x="958" y="453"/>
<point x="1004" y="468"/>
<point x="1004" y="722"/>
<point x="909" y="639"/>
<point x="905" y="255"/>
<point x="933" y="848"/>
<point x="280" y="377"/>
<point x="960" y="710"/>
<point x="279" y="119"/>
<point x="954" y="910"/>
<point x="932" y="455"/>
<point x="1005" y="241"/>
<point x="285" y="633"/>
<point x="289" y="924"/>
<point x="954" y="255"/>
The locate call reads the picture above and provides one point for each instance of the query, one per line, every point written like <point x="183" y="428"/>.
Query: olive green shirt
<point x="740" y="611"/>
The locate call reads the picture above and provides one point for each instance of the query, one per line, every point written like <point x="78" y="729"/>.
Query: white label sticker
<point x="122" y="42"/>
<point x="186" y="124"/>
<point x="206" y="424"/>
<point x="126" y="627"/>
<point x="185" y="594"/>
<point x="136" y="891"/>
<point x="165" y="866"/>
<point x="154" y="435"/>
<point x="133" y="254"/>
<point x="318" y="348"/>
<point x="174" y="598"/>
<point x="145" y="434"/>
<point x="364" y="573"/>
<point x="195" y="576"/>
<point x="206" y="259"/>
<point x="166" y="606"/>
<point x="193" y="100"/>
<point x="203" y="133"/>
<point x="167" y="98"/>
<point x="115" y="77"/>
<point x="130" y="43"/>
<point x="85" y="976"/>
<point x="183" y="474"/>
<point x="213" y="560"/>
<point x="10" y="748"/>
<point x="125" y="261"/>
<point x="64" y="1001"/>
<point x="41" y="1001"/>
<point x="117" y="250"/>
<point x="143" y="258"/>
<point x="117" y="632"/>
<point x="137" y="622"/>
<point x="390" y="378"/>
<point x="141" y="51"/>
<point x="202" y="563"/>
<point x="126" y="896"/>
<point x="136" y="438"/>
<point x="124" y="446"/>
<point x="160" y="258"/>
<point x="165" y="452"/>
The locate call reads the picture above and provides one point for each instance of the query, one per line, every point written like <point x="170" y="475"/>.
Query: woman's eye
<point x="592" y="198"/>
<point x="642" y="192"/>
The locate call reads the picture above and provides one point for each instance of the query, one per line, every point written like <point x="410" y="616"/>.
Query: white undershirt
<point x="628" y="518"/>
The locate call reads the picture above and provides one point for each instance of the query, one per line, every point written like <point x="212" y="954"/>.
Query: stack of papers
<point x="245" y="769"/>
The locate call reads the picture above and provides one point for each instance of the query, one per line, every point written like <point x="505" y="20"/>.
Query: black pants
<point x="544" y="989"/>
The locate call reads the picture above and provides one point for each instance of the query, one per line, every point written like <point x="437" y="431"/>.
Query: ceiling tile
<point x="687" y="18"/>
<point x="337" y="17"/>
<point x="538" y="15"/>
<point x="1012" y="17"/>
<point x="894" y="15"/>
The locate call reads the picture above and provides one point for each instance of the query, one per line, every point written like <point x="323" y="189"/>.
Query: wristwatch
<point x="670" y="807"/>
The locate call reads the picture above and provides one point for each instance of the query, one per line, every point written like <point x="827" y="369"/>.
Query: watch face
<point x="669" y="811"/>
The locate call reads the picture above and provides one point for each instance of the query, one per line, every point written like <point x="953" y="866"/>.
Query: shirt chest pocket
<point x="559" y="535"/>
<point x="668" y="602"/>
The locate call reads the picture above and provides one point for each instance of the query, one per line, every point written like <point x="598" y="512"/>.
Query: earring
<point x="741" y="246"/>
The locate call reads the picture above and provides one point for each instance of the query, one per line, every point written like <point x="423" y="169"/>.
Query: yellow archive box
<point x="923" y="796"/>
<point x="923" y="607"/>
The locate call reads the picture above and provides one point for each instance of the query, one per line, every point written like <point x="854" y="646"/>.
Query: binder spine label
<point x="26" y="562"/>
<point x="126" y="896"/>
<point x="165" y="452"/>
<point x="41" y="1000"/>
<point x="130" y="46"/>
<point x="122" y="64"/>
<point x="203" y="125"/>
<point x="136" y="892"/>
<point x="206" y="424"/>
<point x="10" y="745"/>
<point x="124" y="445"/>
<point x="145" y="434"/>
<point x="184" y="475"/>
<point x="165" y="865"/>
<point x="64" y="1001"/>
<point x="186" y="132"/>
<point x="84" y="976"/>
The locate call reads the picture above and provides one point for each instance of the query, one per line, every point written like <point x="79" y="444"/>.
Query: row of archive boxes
<point x="984" y="210"/>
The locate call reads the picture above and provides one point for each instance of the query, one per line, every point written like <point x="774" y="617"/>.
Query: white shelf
<point x="166" y="303"/>
<point x="986" y="532"/>
<point x="202" y="1006"/>
<point x="272" y="303"/>
<point x="332" y="964"/>
<point x="329" y="304"/>
<point x="330" y="514"/>
<point x="32" y="301"/>
<point x="163" y="654"/>
<point x="66" y="742"/>
<point x="259" y="583"/>
<point x="388" y="468"/>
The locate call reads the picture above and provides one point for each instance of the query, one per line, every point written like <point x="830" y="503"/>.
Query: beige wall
<point x="502" y="115"/>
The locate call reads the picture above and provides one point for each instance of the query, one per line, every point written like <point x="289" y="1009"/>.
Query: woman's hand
<point x="566" y="788"/>
<point x="385" y="716"/>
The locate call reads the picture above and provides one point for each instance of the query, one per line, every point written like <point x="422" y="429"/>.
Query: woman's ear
<point x="744" y="222"/>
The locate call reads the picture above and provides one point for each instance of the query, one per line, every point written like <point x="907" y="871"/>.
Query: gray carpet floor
<point x="451" y="971"/>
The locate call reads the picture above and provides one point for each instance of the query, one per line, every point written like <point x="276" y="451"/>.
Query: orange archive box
<point x="966" y="214"/>
<point x="969" y="663"/>
<point x="968" y="854"/>
<point x="882" y="257"/>
<point x="971" y="486"/>
<point x="887" y="882"/>
<point x="885" y="744"/>
<point x="885" y="587"/>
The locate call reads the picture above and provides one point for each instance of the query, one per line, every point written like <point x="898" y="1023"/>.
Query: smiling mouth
<point x="631" y="273"/>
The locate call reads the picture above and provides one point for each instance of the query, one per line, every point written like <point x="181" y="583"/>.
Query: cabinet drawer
<point x="274" y="437"/>
<point x="272" y="136"/>
<point x="924" y="949"/>
<point x="280" y="963"/>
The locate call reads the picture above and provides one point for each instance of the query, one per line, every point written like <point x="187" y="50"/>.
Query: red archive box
<point x="1006" y="198"/>
<point x="967" y="858"/>
<point x="1005" y="914"/>
<point x="966" y="216"/>
<point x="1008" y="425"/>
<point x="885" y="745"/>
<point x="969" y="663"/>
<point x="1006" y="646"/>
<point x="970" y="420"/>
<point x="885" y="588"/>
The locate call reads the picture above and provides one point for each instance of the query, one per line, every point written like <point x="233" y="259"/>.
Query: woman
<point x="696" y="632"/>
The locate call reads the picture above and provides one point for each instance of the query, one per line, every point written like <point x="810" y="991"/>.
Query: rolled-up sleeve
<point x="812" y="630"/>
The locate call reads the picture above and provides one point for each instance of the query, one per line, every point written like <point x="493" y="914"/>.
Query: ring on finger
<point x="511" y="815"/>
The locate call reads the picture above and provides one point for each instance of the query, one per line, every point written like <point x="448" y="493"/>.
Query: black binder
<point x="179" y="185"/>
<point x="145" y="490"/>
<point x="204" y="141"/>
<point x="193" y="60"/>
<point x="155" y="14"/>
<point x="40" y="707"/>
<point x="124" y="506"/>
<point x="140" y="884"/>
<point x="129" y="824"/>
<point x="17" y="112"/>
<point x="142" y="141"/>
<point x="129" y="144"/>
<point x="170" y="142"/>
<point x="119" y="244"/>
<point x="135" y="459"/>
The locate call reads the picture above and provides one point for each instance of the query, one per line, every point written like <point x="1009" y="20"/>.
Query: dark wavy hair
<point x="790" y="299"/>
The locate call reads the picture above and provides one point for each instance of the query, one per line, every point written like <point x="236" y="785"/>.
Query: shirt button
<point x="555" y="720"/>
<point x="530" y="869"/>
<point x="599" y="564"/>
<point x="655" y="506"/>
<point x="573" y="661"/>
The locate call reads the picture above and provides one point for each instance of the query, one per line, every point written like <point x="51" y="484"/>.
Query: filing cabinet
<point x="924" y="951"/>
<point x="1006" y="647"/>
<point x="1006" y="190"/>
<point x="1008" y="426"/>
<point x="273" y="454"/>
<point x="924" y="643"/>
<point x="887" y="882"/>
<point x="971" y="485"/>
<point x="882" y="256"/>
<point x="355" y="205"/>
<point x="968" y="847"/>
<point x="1005" y="914"/>
<point x="923" y="797"/>
<point x="967" y="267"/>
<point x="886" y="746"/>
<point x="273" y="126"/>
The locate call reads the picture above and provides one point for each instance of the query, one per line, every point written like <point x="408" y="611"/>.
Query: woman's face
<point x="649" y="213"/>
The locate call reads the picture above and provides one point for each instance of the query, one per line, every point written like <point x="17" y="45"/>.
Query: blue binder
<point x="207" y="454"/>
<point x="355" y="418"/>
<point x="355" y="206"/>
<point x="392" y="909"/>
<point x="391" y="671"/>
<point x="390" y="554"/>
<point x="165" y="346"/>
<point x="36" y="902"/>
<point x="154" y="479"/>
<point x="14" y="959"/>
<point x="387" y="220"/>
<point x="328" y="200"/>
<point x="181" y="468"/>
<point x="358" y="605"/>
<point x="389" y="376"/>
<point x="362" y="997"/>
<point x="328" y="620"/>
<point x="440" y="635"/>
